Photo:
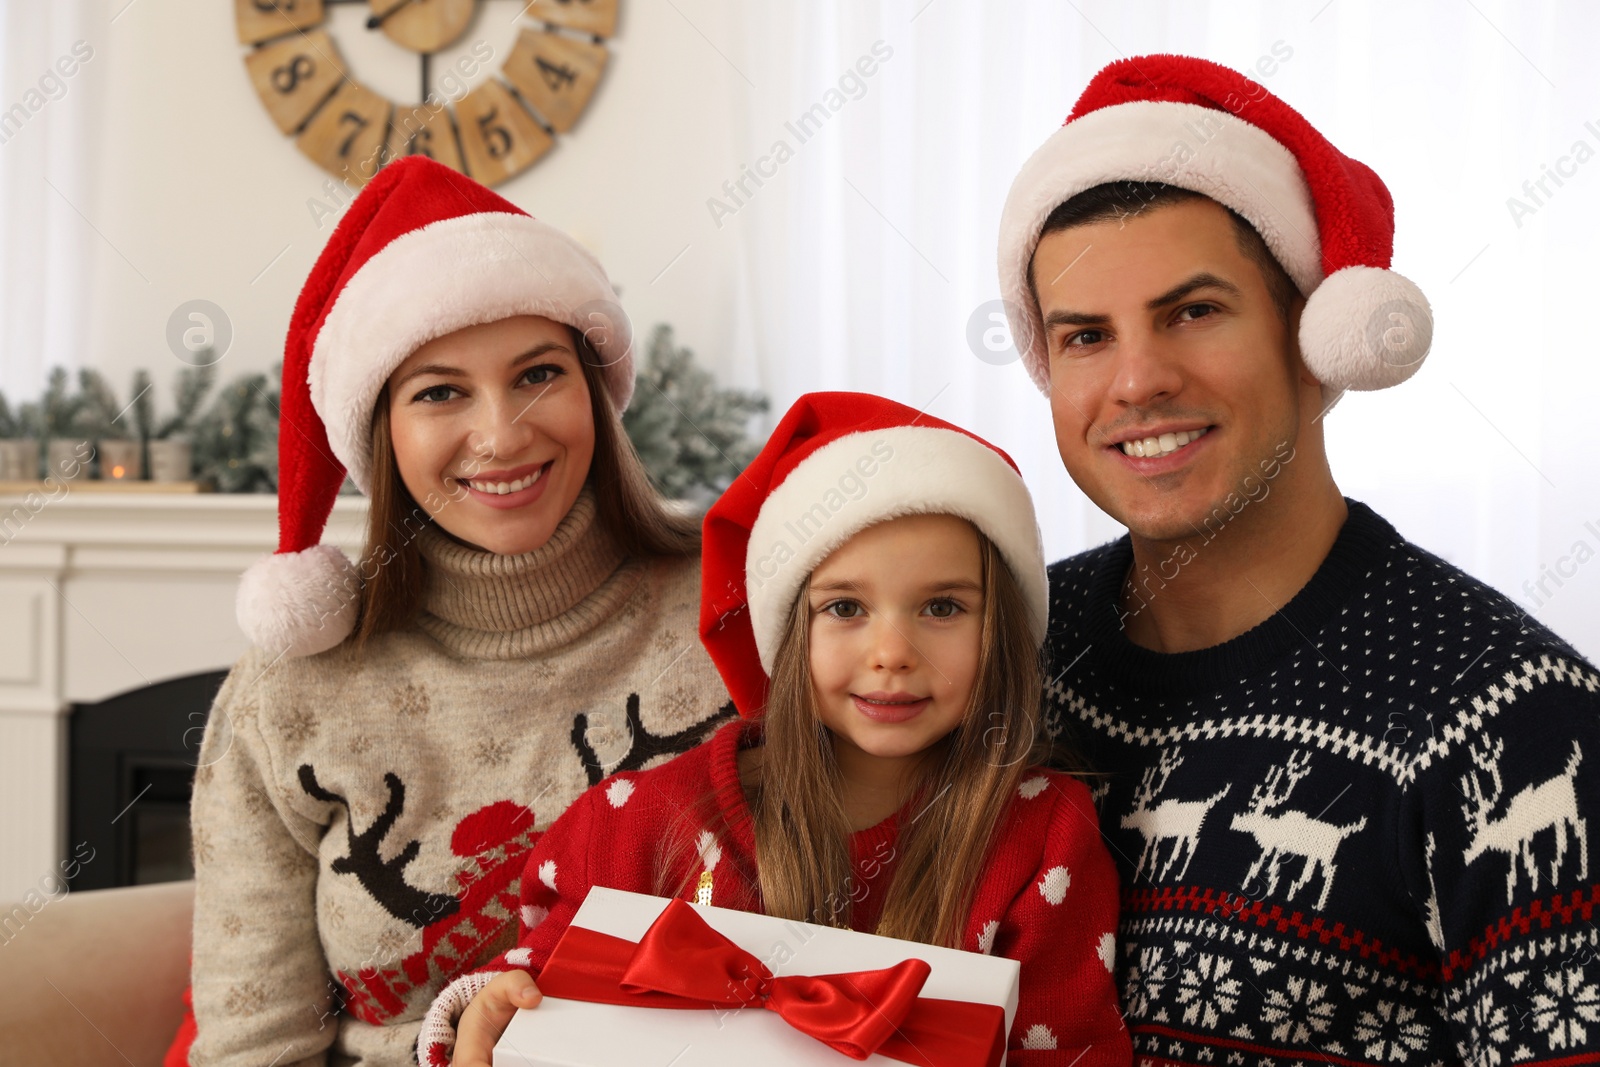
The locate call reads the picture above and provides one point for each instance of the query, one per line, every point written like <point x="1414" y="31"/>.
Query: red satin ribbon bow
<point x="681" y="962"/>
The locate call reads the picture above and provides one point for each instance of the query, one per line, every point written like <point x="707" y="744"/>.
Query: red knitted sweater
<point x="1047" y="897"/>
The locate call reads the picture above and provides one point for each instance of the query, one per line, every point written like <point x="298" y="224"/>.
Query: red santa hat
<point x="421" y="252"/>
<point x="836" y="464"/>
<point x="1327" y="218"/>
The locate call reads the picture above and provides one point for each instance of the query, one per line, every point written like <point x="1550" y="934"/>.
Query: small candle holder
<point x="19" y="460"/>
<point x="171" y="461"/>
<point x="67" y="459"/>
<point x="120" y="461"/>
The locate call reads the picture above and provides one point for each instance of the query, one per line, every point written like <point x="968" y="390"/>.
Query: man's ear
<point x="1312" y="392"/>
<point x="1302" y="372"/>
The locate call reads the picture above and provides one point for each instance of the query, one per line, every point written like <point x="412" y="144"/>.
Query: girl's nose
<point x="892" y="649"/>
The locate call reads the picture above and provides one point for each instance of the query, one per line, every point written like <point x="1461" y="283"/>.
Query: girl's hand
<point x="487" y="1016"/>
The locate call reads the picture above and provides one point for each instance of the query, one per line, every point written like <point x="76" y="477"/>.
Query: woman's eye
<point x="843" y="609"/>
<point x="1084" y="338"/>
<point x="435" y="394"/>
<point x="541" y="375"/>
<point x="943" y="608"/>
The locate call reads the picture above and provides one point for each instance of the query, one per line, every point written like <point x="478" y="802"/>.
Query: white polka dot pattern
<point x="1053" y="886"/>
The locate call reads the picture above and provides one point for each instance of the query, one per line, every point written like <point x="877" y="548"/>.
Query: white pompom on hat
<point x="1190" y="123"/>
<point x="423" y="251"/>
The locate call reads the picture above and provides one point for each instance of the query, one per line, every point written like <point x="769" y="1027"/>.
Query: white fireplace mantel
<point x="102" y="593"/>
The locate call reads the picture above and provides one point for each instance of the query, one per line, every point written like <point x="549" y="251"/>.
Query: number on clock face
<point x="294" y="75"/>
<point x="349" y="134"/>
<point x="556" y="74"/>
<point x="498" y="136"/>
<point x="425" y="131"/>
<point x="263" y="20"/>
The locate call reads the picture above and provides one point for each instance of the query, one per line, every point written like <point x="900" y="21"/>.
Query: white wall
<point x="200" y="193"/>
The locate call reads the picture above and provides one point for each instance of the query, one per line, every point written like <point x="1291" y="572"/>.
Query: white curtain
<point x="48" y="112"/>
<point x="871" y="242"/>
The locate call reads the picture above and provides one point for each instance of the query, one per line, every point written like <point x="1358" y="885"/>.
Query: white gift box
<point x="572" y="1033"/>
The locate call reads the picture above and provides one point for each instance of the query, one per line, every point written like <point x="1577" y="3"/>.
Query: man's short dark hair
<point x="1115" y="200"/>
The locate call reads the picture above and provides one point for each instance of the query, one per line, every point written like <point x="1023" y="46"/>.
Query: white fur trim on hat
<point x="1211" y="152"/>
<point x="443" y="277"/>
<point x="299" y="603"/>
<point x="870" y="477"/>
<point x="1365" y="328"/>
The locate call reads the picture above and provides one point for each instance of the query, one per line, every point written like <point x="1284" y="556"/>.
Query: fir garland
<point x="692" y="436"/>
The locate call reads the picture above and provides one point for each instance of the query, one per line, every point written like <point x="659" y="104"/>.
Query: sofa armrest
<point x="95" y="977"/>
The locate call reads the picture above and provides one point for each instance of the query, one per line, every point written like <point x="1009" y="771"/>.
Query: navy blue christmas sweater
<point x="1358" y="833"/>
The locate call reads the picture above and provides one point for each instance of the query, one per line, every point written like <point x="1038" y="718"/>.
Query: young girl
<point x="873" y="592"/>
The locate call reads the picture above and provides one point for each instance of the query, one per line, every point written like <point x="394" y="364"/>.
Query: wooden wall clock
<point x="499" y="129"/>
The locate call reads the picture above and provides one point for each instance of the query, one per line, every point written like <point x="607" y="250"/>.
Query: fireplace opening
<point x="131" y="764"/>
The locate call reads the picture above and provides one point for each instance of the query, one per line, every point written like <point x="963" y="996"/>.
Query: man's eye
<point x="1084" y="338"/>
<point x="1202" y="309"/>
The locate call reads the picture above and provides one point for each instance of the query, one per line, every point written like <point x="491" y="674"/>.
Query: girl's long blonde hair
<point x="803" y="859"/>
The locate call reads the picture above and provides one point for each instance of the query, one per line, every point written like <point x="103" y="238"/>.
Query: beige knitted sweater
<point x="360" y="820"/>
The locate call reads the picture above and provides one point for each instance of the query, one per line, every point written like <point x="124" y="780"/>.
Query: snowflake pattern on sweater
<point x="1048" y="895"/>
<point x="361" y="818"/>
<point x="1358" y="833"/>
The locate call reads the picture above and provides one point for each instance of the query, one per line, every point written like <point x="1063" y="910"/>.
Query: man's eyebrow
<point x="446" y="371"/>
<point x="1203" y="280"/>
<point x="1063" y="317"/>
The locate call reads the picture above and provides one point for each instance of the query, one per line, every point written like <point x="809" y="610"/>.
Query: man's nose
<point x="1146" y="371"/>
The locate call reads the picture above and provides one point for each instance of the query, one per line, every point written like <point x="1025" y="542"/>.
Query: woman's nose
<point x="505" y="427"/>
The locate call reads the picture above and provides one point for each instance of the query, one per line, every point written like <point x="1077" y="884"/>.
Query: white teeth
<point x="502" y="488"/>
<point x="1149" y="447"/>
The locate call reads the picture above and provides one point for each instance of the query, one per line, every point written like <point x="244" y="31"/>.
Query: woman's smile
<point x="508" y="489"/>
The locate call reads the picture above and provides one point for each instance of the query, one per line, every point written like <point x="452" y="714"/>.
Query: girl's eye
<point x="843" y="609"/>
<point x="436" y="394"/>
<point x="943" y="608"/>
<point x="542" y="374"/>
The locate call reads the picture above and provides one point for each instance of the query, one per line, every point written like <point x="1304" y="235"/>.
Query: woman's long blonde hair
<point x="802" y="836"/>
<point x="629" y="506"/>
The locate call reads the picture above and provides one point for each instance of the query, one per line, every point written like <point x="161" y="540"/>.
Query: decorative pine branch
<point x="692" y="436"/>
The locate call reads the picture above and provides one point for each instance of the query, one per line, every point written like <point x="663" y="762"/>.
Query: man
<point x="1349" y="788"/>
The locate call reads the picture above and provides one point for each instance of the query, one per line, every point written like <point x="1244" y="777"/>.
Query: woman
<point x="521" y="624"/>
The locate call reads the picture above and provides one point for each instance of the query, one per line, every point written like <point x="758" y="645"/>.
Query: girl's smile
<point x="890" y="707"/>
